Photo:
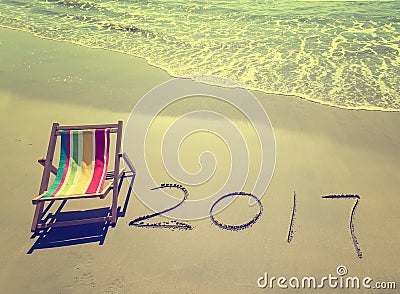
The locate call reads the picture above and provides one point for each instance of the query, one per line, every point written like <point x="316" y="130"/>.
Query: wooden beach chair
<point x="82" y="170"/>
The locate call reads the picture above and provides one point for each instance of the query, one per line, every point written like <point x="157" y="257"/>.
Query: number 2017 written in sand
<point x="139" y="222"/>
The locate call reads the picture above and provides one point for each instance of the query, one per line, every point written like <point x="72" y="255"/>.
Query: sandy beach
<point x="320" y="150"/>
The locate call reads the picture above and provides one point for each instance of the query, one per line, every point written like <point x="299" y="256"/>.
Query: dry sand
<point x="320" y="150"/>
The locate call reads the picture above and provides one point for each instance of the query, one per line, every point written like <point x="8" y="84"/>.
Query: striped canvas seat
<point x="81" y="173"/>
<point x="83" y="163"/>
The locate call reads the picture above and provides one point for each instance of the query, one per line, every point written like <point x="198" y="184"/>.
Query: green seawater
<point x="340" y="53"/>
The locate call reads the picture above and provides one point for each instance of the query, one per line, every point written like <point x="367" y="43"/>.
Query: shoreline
<point x="320" y="151"/>
<point x="257" y="90"/>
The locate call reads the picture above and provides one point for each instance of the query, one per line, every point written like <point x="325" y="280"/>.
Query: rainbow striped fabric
<point x="83" y="163"/>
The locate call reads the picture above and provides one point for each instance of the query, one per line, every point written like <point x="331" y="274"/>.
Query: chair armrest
<point x="42" y="161"/>
<point x="129" y="163"/>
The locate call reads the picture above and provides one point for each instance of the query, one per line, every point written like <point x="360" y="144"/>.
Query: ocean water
<point x="340" y="53"/>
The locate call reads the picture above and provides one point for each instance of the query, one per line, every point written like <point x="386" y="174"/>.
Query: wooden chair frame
<point x="47" y="162"/>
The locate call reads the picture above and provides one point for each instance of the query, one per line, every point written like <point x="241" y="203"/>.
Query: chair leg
<point x="37" y="216"/>
<point x="114" y="213"/>
<point x="114" y="206"/>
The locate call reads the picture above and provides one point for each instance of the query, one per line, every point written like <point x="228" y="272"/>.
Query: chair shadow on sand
<point x="78" y="234"/>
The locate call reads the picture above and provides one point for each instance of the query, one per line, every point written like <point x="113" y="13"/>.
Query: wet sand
<point x="321" y="150"/>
